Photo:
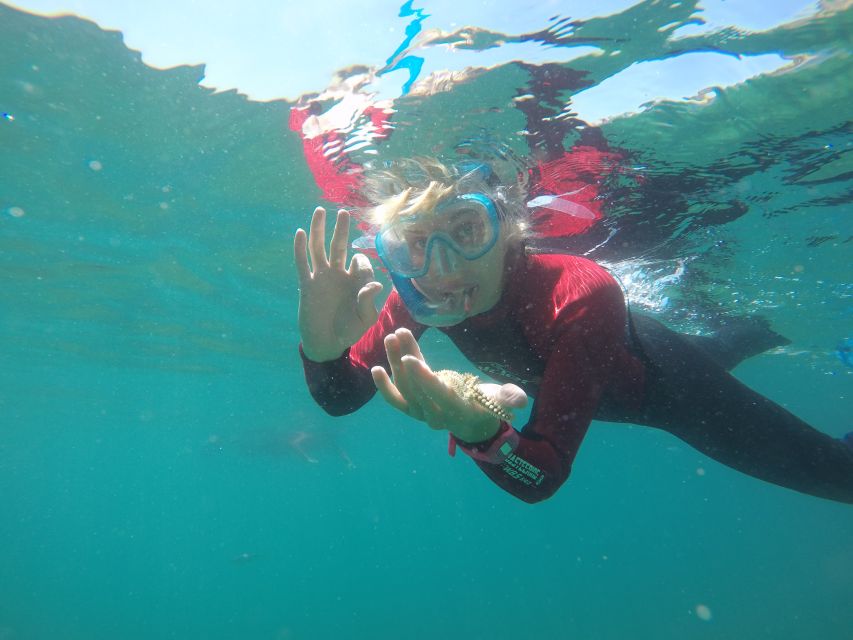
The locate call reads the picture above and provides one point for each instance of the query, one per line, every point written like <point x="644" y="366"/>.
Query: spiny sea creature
<point x="467" y="387"/>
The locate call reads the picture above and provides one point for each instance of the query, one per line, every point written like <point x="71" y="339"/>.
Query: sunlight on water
<point x="647" y="285"/>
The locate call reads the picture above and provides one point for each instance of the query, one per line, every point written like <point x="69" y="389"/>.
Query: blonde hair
<point x="414" y="185"/>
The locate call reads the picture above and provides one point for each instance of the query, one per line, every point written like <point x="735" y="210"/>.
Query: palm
<point x="336" y="300"/>
<point x="419" y="392"/>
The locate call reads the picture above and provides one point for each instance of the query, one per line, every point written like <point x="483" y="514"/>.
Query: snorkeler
<point x="554" y="327"/>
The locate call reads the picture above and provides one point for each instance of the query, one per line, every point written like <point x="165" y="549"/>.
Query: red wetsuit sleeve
<point x="344" y="385"/>
<point x="588" y="345"/>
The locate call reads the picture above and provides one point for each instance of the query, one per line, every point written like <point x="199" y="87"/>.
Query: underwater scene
<point x="164" y="469"/>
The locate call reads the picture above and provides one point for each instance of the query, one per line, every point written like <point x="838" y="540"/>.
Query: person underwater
<point x="456" y="245"/>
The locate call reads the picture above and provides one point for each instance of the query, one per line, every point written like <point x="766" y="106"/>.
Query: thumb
<point x="513" y="396"/>
<point x="366" y="302"/>
<point x="509" y="396"/>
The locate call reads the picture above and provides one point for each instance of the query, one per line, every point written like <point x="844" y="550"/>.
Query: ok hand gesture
<point x="337" y="302"/>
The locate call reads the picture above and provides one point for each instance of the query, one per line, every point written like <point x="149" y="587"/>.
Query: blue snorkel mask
<point x="464" y="228"/>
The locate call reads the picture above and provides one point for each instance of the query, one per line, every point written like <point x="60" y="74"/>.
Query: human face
<point x="467" y="288"/>
<point x="466" y="227"/>
<point x="446" y="260"/>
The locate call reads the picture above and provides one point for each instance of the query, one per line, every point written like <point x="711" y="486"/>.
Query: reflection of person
<point x="327" y="136"/>
<point x="552" y="326"/>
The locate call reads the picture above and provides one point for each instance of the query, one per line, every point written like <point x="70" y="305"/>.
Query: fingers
<point x="512" y="396"/>
<point x="300" y="255"/>
<point x="437" y="403"/>
<point x="317" y="239"/>
<point x="415" y="389"/>
<point x="398" y="347"/>
<point x="316" y="246"/>
<point x="361" y="268"/>
<point x="390" y="391"/>
<point x="508" y="396"/>
<point x="387" y="389"/>
<point x="340" y="241"/>
<point x="392" y="352"/>
<point x="366" y="302"/>
<point x="409" y="345"/>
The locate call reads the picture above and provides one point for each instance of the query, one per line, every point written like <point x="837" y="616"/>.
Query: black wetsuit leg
<point x="692" y="396"/>
<point x="737" y="339"/>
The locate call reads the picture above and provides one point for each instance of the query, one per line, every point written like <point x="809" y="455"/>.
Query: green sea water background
<point x="165" y="474"/>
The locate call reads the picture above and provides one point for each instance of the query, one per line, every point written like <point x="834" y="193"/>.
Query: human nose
<point x="442" y="261"/>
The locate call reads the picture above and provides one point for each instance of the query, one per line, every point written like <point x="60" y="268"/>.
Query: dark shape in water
<point x="844" y="351"/>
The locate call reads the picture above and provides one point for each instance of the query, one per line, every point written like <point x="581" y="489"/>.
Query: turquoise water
<point x="165" y="474"/>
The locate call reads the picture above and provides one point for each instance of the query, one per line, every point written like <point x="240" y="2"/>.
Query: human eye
<point x="464" y="231"/>
<point x="468" y="230"/>
<point x="416" y="242"/>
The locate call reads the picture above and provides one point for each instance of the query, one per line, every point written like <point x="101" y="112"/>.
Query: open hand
<point x="337" y="302"/>
<point x="419" y="393"/>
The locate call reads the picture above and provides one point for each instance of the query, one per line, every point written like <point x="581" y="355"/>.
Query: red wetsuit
<point x="559" y="332"/>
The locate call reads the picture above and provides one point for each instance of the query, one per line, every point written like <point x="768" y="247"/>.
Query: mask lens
<point x="469" y="230"/>
<point x="468" y="225"/>
<point x="403" y="246"/>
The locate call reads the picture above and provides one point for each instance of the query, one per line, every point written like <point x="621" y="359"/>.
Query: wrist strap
<point x="504" y="444"/>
